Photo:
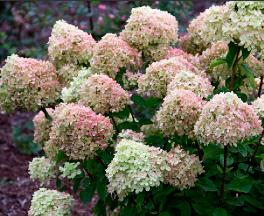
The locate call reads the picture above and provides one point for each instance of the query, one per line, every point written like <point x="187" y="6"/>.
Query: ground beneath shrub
<point x="16" y="188"/>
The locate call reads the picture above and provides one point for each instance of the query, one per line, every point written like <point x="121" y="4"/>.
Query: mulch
<point x="16" y="188"/>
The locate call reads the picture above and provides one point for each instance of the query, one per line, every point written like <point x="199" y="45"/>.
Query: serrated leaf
<point x="243" y="185"/>
<point x="246" y="71"/>
<point x="219" y="212"/>
<point x="217" y="62"/>
<point x="231" y="55"/>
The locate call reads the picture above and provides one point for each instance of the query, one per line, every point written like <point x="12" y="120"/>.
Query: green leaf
<point x="164" y="214"/>
<point x="101" y="189"/>
<point x="229" y="160"/>
<point x="60" y="156"/>
<point x="185" y="208"/>
<point x="86" y="195"/>
<point x="245" y="53"/>
<point x="206" y="184"/>
<point x="246" y="71"/>
<point x="122" y="114"/>
<point x="152" y="102"/>
<point x="217" y="62"/>
<point x="231" y="55"/>
<point x="119" y="76"/>
<point x="242" y="96"/>
<point x="138" y="100"/>
<point x="243" y="185"/>
<point x="219" y="212"/>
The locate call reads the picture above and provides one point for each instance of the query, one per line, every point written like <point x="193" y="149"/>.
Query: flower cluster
<point x="258" y="106"/>
<point x="150" y="31"/>
<point x="78" y="124"/>
<point x="130" y="134"/>
<point x="72" y="93"/>
<point x="187" y="80"/>
<point x="159" y="74"/>
<point x="69" y="44"/>
<point x="184" y="168"/>
<point x="225" y="120"/>
<point x="135" y="167"/>
<point x="205" y="28"/>
<point x="103" y="94"/>
<point x="27" y="84"/>
<point x="130" y="79"/>
<point x="70" y="170"/>
<point x="179" y="112"/>
<point x="237" y="21"/>
<point x="42" y="127"/>
<point x="42" y="169"/>
<point x="50" y="202"/>
<point x="112" y="53"/>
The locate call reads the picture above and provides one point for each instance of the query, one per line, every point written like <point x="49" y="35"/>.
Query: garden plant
<point x="147" y="122"/>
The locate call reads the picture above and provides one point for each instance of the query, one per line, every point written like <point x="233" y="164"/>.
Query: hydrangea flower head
<point x="42" y="127"/>
<point x="225" y="120"/>
<point x="50" y="202"/>
<point x="103" y="94"/>
<point x="150" y="29"/>
<point x="179" y="112"/>
<point x="159" y="74"/>
<point x="184" y="168"/>
<point x="111" y="54"/>
<point x="42" y="169"/>
<point x="130" y="134"/>
<point x="135" y="167"/>
<point x="67" y="72"/>
<point x="78" y="131"/>
<point x="69" y="44"/>
<point x="27" y="84"/>
<point x="187" y="80"/>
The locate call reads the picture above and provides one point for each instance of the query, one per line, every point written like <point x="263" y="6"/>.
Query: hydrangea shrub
<point x="148" y="126"/>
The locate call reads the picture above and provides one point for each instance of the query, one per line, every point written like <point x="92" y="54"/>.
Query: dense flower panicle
<point x="175" y="52"/>
<point x="150" y="31"/>
<point x="70" y="170"/>
<point x="205" y="28"/>
<point x="47" y="202"/>
<point x="187" y="43"/>
<point x="42" y="127"/>
<point x="130" y="134"/>
<point x="258" y="106"/>
<point x="42" y="169"/>
<point x="184" y="169"/>
<point x="159" y="74"/>
<point x="71" y="94"/>
<point x="225" y="120"/>
<point x="69" y="44"/>
<point x="78" y="131"/>
<point x="27" y="84"/>
<point x="112" y="53"/>
<point x="155" y="52"/>
<point x="103" y="94"/>
<point x="67" y="72"/>
<point x="179" y="112"/>
<point x="135" y="167"/>
<point x="237" y="21"/>
<point x="187" y="80"/>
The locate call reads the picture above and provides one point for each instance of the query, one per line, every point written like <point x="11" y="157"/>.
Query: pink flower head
<point x="103" y="94"/>
<point x="102" y="7"/>
<point x="78" y="131"/>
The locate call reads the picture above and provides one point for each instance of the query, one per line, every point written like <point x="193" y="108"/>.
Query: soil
<point x="16" y="188"/>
